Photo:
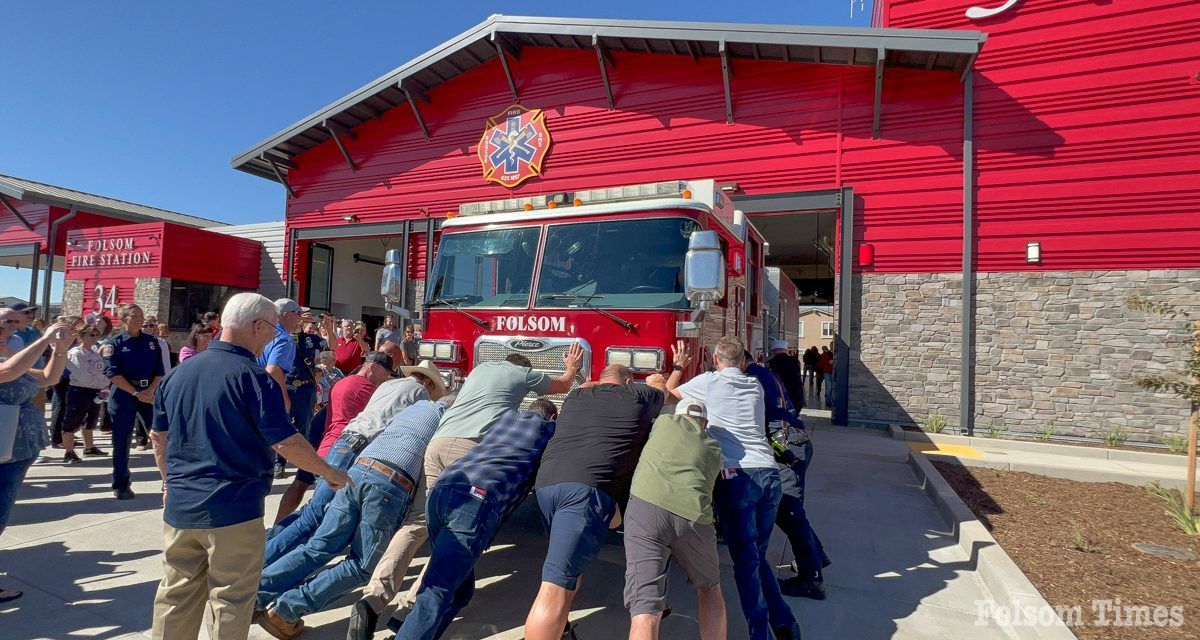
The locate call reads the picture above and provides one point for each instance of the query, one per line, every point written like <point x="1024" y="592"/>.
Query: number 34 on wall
<point x="106" y="299"/>
<point x="979" y="13"/>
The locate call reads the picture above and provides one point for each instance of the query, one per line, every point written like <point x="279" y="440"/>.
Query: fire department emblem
<point x="513" y="145"/>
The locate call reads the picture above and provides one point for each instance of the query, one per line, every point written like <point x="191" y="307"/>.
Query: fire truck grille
<point x="549" y="361"/>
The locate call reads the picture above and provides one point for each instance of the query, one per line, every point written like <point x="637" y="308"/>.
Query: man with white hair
<point x="748" y="491"/>
<point x="215" y="425"/>
<point x="670" y="514"/>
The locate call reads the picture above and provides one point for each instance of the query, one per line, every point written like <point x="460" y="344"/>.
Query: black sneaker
<point x="71" y="457"/>
<point x="278" y="471"/>
<point x="94" y="451"/>
<point x="362" y="621"/>
<point x="788" y="632"/>
<point x="800" y="588"/>
<point x="124" y="494"/>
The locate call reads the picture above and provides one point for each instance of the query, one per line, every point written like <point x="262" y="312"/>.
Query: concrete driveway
<point x="89" y="564"/>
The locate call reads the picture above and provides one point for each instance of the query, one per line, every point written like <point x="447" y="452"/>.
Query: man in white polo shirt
<point x="748" y="489"/>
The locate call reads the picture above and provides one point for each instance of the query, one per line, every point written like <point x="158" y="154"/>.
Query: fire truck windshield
<point x="623" y="264"/>
<point x="485" y="268"/>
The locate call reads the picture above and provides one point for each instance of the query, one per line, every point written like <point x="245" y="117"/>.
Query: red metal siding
<point x="1087" y="129"/>
<point x="196" y="255"/>
<point x="1086" y="122"/>
<point x="12" y="232"/>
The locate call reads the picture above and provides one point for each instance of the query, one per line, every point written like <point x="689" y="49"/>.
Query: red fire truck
<point x="624" y="271"/>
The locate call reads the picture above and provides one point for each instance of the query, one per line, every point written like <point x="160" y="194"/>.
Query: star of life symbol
<point x="513" y="146"/>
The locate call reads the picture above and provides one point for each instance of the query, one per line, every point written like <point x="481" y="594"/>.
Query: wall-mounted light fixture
<point x="350" y="218"/>
<point x="1033" y="253"/>
<point x="729" y="187"/>
<point x="866" y="255"/>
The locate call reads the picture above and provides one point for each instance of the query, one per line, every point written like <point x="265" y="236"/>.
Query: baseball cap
<point x="692" y="408"/>
<point x="380" y="358"/>
<point x="287" y="305"/>
<point x="21" y="306"/>
<point x="778" y="345"/>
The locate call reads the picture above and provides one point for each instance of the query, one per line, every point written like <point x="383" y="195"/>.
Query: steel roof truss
<point x="604" y="58"/>
<point x="500" y="53"/>
<point x="337" y="131"/>
<point x="13" y="210"/>
<point x="412" y="103"/>
<point x="880" y="58"/>
<point x="726" y="74"/>
<point x="279" y="174"/>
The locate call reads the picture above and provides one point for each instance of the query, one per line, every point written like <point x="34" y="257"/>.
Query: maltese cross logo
<point x="514" y="145"/>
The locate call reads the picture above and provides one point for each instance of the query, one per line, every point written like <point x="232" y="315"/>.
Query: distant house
<point x="816" y="327"/>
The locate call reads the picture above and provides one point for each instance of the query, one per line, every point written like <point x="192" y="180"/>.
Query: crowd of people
<point x="395" y="461"/>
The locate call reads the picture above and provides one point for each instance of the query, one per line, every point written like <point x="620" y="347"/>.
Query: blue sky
<point x="148" y="101"/>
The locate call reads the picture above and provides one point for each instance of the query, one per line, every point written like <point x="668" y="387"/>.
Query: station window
<point x="191" y="300"/>
<point x="801" y="334"/>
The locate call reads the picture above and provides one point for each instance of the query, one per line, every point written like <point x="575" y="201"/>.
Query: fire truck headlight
<point x="425" y="350"/>
<point x="445" y="351"/>
<point x="647" y="360"/>
<point x="637" y="359"/>
<point x="623" y="357"/>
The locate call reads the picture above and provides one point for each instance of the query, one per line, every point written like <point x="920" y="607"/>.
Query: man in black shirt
<point x="583" y="482"/>
<point x="787" y="367"/>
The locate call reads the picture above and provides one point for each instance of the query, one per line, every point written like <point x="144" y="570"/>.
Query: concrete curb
<point x="1082" y="464"/>
<point x="1096" y="453"/>
<point x="1009" y="586"/>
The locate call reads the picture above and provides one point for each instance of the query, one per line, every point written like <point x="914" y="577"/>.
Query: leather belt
<point x="393" y="474"/>
<point x="142" y="384"/>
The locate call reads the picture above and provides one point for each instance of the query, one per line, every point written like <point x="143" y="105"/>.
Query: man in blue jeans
<point x="389" y="400"/>
<point x="361" y="519"/>
<point x="748" y="490"/>
<point x="793" y="451"/>
<point x="466" y="508"/>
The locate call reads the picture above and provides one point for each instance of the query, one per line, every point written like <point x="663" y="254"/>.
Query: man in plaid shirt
<point x="465" y="509"/>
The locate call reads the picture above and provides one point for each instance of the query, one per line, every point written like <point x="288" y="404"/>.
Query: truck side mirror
<point x="704" y="268"/>
<point x="393" y="283"/>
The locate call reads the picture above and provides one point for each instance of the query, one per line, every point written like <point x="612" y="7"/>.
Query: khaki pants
<point x="211" y="575"/>
<point x="389" y="574"/>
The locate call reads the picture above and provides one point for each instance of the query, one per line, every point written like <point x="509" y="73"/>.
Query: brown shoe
<point x="280" y="628"/>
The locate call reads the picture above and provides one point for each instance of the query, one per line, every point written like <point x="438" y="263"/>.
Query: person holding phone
<point x="20" y="382"/>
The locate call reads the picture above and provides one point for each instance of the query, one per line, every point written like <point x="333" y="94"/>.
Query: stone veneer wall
<point x="72" y="298"/>
<point x="1049" y="346"/>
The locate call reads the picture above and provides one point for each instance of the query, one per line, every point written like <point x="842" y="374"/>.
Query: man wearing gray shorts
<point x="670" y="514"/>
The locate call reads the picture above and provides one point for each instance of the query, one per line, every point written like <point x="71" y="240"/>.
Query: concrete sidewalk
<point x="89" y="564"/>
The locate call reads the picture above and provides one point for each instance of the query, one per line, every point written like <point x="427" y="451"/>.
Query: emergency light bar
<point x="670" y="188"/>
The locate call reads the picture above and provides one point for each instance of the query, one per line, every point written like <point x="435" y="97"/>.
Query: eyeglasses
<point x="11" y="321"/>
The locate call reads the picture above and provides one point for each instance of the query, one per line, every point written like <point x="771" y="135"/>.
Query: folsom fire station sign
<point x="513" y="146"/>
<point x="109" y="252"/>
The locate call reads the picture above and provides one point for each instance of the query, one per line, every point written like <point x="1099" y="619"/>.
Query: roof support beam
<point x="692" y="50"/>
<point x="412" y="103"/>
<point x="500" y="53"/>
<point x="279" y="174"/>
<point x="337" y="131"/>
<point x="416" y="89"/>
<point x="726" y="74"/>
<point x="283" y="162"/>
<point x="605" y="59"/>
<point x="880" y="58"/>
<point x="13" y="210"/>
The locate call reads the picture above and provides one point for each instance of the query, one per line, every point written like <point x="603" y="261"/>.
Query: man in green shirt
<point x="670" y="513"/>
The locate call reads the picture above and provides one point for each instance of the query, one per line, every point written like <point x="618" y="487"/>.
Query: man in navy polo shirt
<point x="216" y="422"/>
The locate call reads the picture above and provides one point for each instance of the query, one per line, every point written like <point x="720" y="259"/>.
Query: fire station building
<point x="975" y="189"/>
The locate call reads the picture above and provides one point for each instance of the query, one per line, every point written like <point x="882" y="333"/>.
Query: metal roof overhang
<point x="939" y="50"/>
<point x="41" y="193"/>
